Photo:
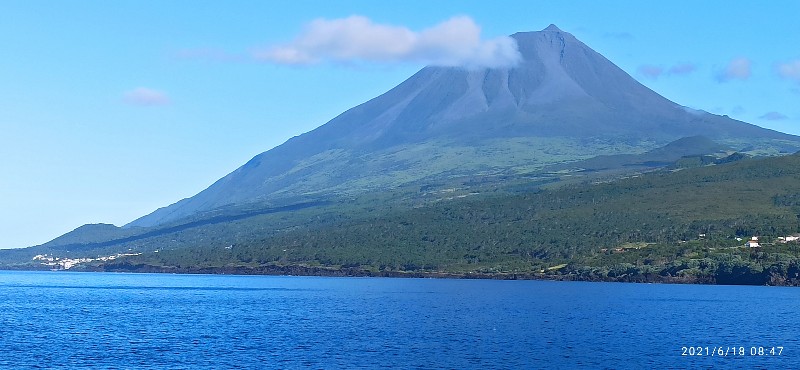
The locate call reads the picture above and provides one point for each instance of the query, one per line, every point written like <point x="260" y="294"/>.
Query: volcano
<point x="563" y="102"/>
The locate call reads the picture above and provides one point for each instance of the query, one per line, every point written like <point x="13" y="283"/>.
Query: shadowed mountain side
<point x="563" y="98"/>
<point x="89" y="237"/>
<point x="659" y="157"/>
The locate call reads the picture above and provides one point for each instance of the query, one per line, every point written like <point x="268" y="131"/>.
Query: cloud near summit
<point x="454" y="42"/>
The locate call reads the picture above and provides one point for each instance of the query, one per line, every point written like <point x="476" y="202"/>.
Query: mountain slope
<point x="563" y="102"/>
<point x="672" y="224"/>
<point x="692" y="146"/>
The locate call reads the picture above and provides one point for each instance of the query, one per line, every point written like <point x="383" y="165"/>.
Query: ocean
<point x="165" y="321"/>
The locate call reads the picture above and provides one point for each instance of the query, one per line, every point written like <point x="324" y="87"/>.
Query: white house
<point x="752" y="243"/>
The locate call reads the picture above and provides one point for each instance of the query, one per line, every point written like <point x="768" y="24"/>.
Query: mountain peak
<point x="552" y="27"/>
<point x="418" y="131"/>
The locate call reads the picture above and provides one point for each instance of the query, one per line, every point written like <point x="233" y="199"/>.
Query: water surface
<point x="111" y="320"/>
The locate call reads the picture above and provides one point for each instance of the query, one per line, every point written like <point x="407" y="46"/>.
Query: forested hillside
<point x="665" y="226"/>
<point x="671" y="225"/>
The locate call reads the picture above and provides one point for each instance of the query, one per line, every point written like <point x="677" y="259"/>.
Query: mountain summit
<point x="562" y="102"/>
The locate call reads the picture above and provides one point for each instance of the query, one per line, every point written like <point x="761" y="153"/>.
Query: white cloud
<point x="455" y="42"/>
<point x="651" y="71"/>
<point x="790" y="70"/>
<point x="737" y="69"/>
<point x="145" y="96"/>
<point x="654" y="72"/>
<point x="774" y="116"/>
<point x="682" y="69"/>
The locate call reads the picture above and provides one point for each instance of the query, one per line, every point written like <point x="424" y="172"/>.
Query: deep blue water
<point x="105" y="320"/>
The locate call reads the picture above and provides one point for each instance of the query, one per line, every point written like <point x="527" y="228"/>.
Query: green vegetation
<point x="670" y="225"/>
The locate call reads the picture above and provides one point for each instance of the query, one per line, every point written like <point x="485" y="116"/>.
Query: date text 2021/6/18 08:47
<point x="732" y="351"/>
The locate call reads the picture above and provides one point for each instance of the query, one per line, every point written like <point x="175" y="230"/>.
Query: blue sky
<point x="111" y="109"/>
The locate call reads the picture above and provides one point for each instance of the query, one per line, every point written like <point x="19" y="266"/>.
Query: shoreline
<point x="299" y="270"/>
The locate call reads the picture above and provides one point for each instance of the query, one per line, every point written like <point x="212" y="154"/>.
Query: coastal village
<point x="57" y="263"/>
<point x="753" y="242"/>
